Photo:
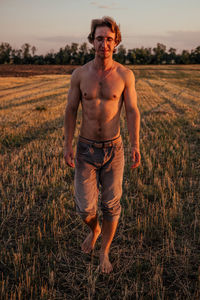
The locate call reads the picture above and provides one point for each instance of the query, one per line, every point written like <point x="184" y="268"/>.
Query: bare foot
<point x="89" y="242"/>
<point x="105" y="265"/>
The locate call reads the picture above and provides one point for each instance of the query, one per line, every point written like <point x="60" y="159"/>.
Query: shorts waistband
<point x="97" y="144"/>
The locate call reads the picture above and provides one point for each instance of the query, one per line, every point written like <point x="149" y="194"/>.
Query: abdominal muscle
<point x="100" y="119"/>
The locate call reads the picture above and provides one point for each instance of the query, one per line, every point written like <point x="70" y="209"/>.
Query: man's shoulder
<point x="76" y="74"/>
<point x="125" y="72"/>
<point x="79" y="71"/>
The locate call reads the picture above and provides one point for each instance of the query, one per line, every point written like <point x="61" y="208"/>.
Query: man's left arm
<point x="133" y="117"/>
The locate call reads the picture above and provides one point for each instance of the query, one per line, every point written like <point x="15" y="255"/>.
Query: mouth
<point x="104" y="51"/>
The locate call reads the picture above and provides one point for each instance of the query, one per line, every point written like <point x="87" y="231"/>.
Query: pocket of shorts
<point x="83" y="148"/>
<point x="119" y="146"/>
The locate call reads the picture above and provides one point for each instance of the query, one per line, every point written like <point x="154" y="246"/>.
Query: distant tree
<point x="19" y="55"/>
<point x="5" y="53"/>
<point x="147" y="55"/>
<point x="33" y="50"/>
<point x="195" y="56"/>
<point x="67" y="55"/>
<point x="49" y="58"/>
<point x="131" y="57"/>
<point x="59" y="57"/>
<point x="83" y="53"/>
<point x="120" y="56"/>
<point x="26" y="56"/>
<point x="143" y="55"/>
<point x="159" y="54"/>
<point x="75" y="54"/>
<point x="34" y="57"/>
<point x="139" y="56"/>
<point x="91" y="54"/>
<point x="16" y="56"/>
<point x="185" y="57"/>
<point x="171" y="57"/>
<point x="38" y="60"/>
<point x="178" y="59"/>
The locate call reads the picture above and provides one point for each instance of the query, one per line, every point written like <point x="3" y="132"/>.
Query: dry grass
<point x="155" y="252"/>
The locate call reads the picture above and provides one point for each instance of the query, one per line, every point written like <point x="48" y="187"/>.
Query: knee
<point x="88" y="218"/>
<point x="111" y="210"/>
<point x="85" y="213"/>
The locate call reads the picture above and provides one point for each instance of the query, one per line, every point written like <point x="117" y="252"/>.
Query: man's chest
<point x="110" y="88"/>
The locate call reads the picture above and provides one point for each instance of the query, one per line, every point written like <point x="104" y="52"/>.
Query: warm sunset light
<point x="50" y="24"/>
<point x="99" y="149"/>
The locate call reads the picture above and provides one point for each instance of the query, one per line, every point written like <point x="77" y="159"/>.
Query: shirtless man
<point x="101" y="86"/>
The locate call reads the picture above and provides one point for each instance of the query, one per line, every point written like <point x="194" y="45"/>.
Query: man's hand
<point x="135" y="154"/>
<point x="69" y="157"/>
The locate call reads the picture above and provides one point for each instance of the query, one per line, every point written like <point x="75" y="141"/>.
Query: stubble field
<point x="155" y="252"/>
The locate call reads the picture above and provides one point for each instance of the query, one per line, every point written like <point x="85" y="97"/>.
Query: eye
<point x="110" y="39"/>
<point x="99" y="39"/>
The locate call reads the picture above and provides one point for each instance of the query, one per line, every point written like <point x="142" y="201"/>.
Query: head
<point x="105" y="22"/>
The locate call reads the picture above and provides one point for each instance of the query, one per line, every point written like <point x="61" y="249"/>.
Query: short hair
<point x="105" y="21"/>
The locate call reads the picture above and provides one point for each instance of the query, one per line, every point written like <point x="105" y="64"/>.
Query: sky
<point x="51" y="24"/>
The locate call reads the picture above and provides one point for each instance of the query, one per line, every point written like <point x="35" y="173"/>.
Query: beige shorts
<point x="99" y="164"/>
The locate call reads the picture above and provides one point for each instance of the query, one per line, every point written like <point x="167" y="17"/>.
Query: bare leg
<point x="89" y="242"/>
<point x="108" y="232"/>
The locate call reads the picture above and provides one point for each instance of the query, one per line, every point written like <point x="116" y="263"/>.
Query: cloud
<point x="190" y="37"/>
<point x="177" y="39"/>
<point x="63" y="39"/>
<point x="112" y="5"/>
<point x="104" y="6"/>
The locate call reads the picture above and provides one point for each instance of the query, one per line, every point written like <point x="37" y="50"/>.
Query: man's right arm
<point x="133" y="116"/>
<point x="74" y="97"/>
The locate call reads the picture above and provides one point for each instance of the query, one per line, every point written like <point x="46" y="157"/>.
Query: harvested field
<point x="32" y="70"/>
<point x="155" y="252"/>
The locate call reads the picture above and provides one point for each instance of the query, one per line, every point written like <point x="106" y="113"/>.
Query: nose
<point x="104" y="43"/>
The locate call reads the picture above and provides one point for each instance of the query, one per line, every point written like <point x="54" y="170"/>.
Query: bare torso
<point x="101" y="99"/>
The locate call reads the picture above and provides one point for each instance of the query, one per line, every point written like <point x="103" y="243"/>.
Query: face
<point x="104" y="41"/>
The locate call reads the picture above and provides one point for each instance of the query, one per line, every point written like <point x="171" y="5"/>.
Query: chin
<point x="105" y="54"/>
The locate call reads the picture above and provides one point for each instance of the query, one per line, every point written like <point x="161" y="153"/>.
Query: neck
<point x="103" y="63"/>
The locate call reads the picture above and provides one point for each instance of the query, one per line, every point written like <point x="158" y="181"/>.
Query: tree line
<point x="78" y="55"/>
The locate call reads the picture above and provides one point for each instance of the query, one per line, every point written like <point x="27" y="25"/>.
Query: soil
<point x="32" y="70"/>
